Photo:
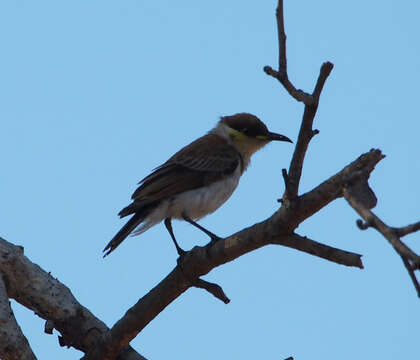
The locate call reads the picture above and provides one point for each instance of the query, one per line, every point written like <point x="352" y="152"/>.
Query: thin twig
<point x="410" y="259"/>
<point x="412" y="275"/>
<point x="373" y="221"/>
<point x="281" y="33"/>
<point x="302" y="243"/>
<point x="212" y="288"/>
<point x="306" y="133"/>
<point x="281" y="75"/>
<point x="286" y="184"/>
<point x="324" y="72"/>
<point x="310" y="100"/>
<point x="403" y="231"/>
<point x="297" y="94"/>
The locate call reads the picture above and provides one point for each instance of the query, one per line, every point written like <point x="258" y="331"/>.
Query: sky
<point x="95" y="94"/>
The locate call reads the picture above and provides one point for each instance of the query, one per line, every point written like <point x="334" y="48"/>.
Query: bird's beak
<point x="277" y="137"/>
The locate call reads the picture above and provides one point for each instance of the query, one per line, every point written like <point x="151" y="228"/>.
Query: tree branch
<point x="13" y="344"/>
<point x="403" y="231"/>
<point x="302" y="243"/>
<point x="213" y="289"/>
<point x="37" y="290"/>
<point x="412" y="275"/>
<point x="373" y="221"/>
<point x="410" y="259"/>
<point x="311" y="101"/>
<point x="281" y="75"/>
<point x="278" y="229"/>
<point x="306" y="133"/>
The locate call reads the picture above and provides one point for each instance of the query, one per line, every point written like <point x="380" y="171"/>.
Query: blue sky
<point x="95" y="94"/>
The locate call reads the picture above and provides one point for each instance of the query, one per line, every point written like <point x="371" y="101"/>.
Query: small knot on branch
<point x="314" y="132"/>
<point x="49" y="327"/>
<point x="415" y="264"/>
<point x="285" y="177"/>
<point x="362" y="225"/>
<point x="270" y="71"/>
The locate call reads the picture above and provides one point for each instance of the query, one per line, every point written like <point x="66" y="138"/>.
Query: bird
<point x="196" y="180"/>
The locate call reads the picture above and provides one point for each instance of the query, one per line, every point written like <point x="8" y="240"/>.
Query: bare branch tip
<point x="314" y="132"/>
<point x="327" y="66"/>
<point x="285" y="178"/>
<point x="362" y="225"/>
<point x="271" y="72"/>
<point x="49" y="327"/>
<point x="212" y="288"/>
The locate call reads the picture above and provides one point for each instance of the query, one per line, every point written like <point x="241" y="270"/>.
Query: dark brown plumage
<point x="184" y="171"/>
<point x="197" y="180"/>
<point x="247" y="124"/>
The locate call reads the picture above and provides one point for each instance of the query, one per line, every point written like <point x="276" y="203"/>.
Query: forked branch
<point x="311" y="101"/>
<point x="410" y="259"/>
<point x="278" y="229"/>
<point x="13" y="344"/>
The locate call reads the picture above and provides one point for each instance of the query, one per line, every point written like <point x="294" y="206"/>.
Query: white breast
<point x="203" y="201"/>
<point x="195" y="203"/>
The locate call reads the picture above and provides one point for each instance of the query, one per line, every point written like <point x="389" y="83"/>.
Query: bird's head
<point x="247" y="133"/>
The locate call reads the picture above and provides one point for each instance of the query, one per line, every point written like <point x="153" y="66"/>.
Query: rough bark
<point x="13" y="344"/>
<point x="278" y="229"/>
<point x="37" y="290"/>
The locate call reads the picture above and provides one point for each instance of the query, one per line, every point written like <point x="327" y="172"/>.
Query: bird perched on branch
<point x="197" y="180"/>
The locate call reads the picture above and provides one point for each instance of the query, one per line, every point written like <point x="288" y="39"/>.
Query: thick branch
<point x="37" y="290"/>
<point x="201" y="260"/>
<point x="13" y="344"/>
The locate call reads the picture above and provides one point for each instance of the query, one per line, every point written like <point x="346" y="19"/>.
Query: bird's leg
<point x="213" y="237"/>
<point x="168" y="225"/>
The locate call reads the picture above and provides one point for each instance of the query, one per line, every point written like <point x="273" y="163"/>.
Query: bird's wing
<point x="206" y="160"/>
<point x="210" y="153"/>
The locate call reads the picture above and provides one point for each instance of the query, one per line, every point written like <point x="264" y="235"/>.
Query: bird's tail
<point x="135" y="220"/>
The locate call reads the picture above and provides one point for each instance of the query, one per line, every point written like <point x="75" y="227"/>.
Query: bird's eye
<point x="245" y="131"/>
